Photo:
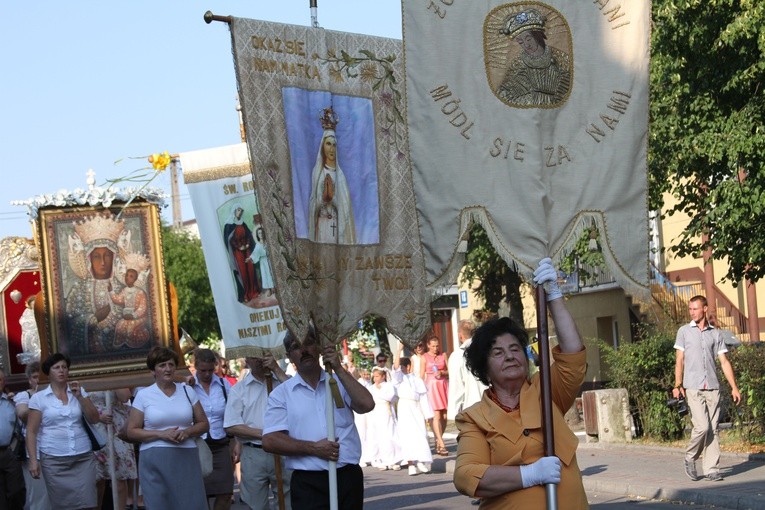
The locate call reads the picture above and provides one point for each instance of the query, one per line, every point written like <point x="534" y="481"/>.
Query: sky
<point x="85" y="84"/>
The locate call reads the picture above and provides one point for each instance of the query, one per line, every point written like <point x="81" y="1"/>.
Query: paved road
<point x="612" y="479"/>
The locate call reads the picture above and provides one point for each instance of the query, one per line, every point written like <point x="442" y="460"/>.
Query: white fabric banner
<point x="323" y="115"/>
<point x="229" y="219"/>
<point x="531" y="119"/>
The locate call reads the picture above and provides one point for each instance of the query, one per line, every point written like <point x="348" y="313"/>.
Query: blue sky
<point x="87" y="83"/>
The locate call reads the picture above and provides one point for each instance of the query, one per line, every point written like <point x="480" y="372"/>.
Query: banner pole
<point x="110" y="449"/>
<point x="314" y="8"/>
<point x="544" y="372"/>
<point x="277" y="458"/>
<point x="209" y="17"/>
<point x="332" y="471"/>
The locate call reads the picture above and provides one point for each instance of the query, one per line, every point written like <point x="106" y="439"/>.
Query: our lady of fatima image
<point x="330" y="213"/>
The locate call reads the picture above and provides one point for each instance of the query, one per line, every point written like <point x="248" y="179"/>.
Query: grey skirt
<point x="171" y="479"/>
<point x="70" y="480"/>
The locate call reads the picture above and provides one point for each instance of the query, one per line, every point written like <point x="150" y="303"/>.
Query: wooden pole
<point x="277" y="458"/>
<point x="110" y="449"/>
<point x="544" y="373"/>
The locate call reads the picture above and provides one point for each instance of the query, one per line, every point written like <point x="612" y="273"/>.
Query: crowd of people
<point x="274" y="423"/>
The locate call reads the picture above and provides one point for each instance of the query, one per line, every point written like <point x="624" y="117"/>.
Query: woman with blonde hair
<point x="381" y="423"/>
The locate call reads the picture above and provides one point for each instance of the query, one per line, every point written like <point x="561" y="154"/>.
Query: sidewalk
<point x="658" y="473"/>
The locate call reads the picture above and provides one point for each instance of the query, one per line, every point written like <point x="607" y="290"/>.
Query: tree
<point x="707" y="134"/>
<point x="185" y="268"/>
<point x="497" y="282"/>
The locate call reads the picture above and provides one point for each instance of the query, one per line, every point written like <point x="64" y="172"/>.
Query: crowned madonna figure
<point x="330" y="213"/>
<point x="541" y="74"/>
<point x="90" y="313"/>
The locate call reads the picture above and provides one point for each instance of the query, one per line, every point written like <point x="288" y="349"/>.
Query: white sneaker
<point x="395" y="467"/>
<point x="423" y="467"/>
<point x="412" y="470"/>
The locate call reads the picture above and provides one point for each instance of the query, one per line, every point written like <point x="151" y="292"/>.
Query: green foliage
<point x="707" y="121"/>
<point x="646" y="369"/>
<point x="498" y="282"/>
<point x="581" y="255"/>
<point x="185" y="268"/>
<point x="749" y="416"/>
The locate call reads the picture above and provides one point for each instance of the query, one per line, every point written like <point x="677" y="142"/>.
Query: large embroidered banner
<point x="229" y="218"/>
<point x="323" y="116"/>
<point x="530" y="118"/>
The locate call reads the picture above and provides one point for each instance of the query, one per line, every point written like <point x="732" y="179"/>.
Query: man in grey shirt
<point x="696" y="346"/>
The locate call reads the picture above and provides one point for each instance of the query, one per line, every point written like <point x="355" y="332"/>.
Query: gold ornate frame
<point x="66" y="236"/>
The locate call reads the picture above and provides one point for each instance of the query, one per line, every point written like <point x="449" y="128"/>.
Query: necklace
<point x="494" y="398"/>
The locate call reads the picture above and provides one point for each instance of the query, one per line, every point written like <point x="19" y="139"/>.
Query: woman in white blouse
<point x="165" y="418"/>
<point x="54" y="423"/>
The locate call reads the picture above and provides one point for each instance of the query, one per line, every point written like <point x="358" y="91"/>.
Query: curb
<point x="758" y="457"/>
<point x="683" y="496"/>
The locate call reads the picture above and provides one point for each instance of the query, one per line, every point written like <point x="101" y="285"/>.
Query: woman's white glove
<point x="545" y="274"/>
<point x="545" y="470"/>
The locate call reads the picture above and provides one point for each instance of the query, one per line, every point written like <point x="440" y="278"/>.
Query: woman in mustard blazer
<point x="500" y="454"/>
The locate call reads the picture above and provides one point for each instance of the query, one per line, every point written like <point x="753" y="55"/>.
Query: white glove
<point x="545" y="274"/>
<point x="545" y="470"/>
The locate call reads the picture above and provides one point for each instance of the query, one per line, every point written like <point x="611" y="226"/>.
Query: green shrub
<point x="646" y="370"/>
<point x="749" y="368"/>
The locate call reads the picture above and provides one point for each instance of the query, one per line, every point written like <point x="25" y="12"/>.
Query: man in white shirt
<point x="12" y="491"/>
<point x="464" y="389"/>
<point x="244" y="419"/>
<point x="296" y="426"/>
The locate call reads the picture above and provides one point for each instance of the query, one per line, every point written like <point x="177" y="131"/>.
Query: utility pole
<point x="175" y="195"/>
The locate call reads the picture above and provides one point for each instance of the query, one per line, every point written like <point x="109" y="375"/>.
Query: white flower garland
<point x="94" y="197"/>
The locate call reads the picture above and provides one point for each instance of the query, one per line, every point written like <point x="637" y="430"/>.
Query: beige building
<point x="603" y="311"/>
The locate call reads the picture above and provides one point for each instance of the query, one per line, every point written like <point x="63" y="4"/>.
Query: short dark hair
<point x="32" y="368"/>
<point x="290" y="338"/>
<point x="205" y="356"/>
<point x="160" y="355"/>
<point x="404" y="362"/>
<point x="381" y="355"/>
<point x="477" y="354"/>
<point x="701" y="299"/>
<point x="53" y="359"/>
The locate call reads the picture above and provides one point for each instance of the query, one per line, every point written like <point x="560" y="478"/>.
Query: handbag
<point x="204" y="452"/>
<point x="97" y="440"/>
<point x="18" y="443"/>
<point x="205" y="456"/>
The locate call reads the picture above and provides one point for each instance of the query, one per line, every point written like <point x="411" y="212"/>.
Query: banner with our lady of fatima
<point x="324" y="121"/>
<point x="530" y="118"/>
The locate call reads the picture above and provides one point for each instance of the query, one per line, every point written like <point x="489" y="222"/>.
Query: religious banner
<point x="324" y="120"/>
<point x="530" y="118"/>
<point x="230" y="222"/>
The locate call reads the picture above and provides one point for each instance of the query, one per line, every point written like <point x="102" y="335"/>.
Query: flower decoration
<point x="94" y="197"/>
<point x="160" y="161"/>
<point x="145" y="175"/>
<point x="361" y="345"/>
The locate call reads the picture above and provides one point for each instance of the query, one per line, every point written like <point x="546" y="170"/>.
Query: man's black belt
<point x="222" y="441"/>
